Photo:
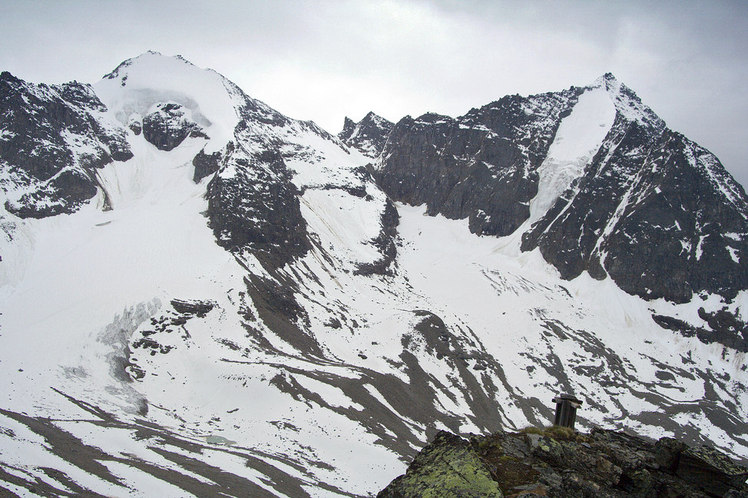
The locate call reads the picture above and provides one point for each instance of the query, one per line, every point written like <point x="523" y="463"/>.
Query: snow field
<point x="505" y="319"/>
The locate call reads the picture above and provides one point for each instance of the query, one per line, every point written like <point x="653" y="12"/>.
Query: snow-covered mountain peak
<point x="148" y="59"/>
<point x="605" y="79"/>
<point x="627" y="102"/>
<point x="140" y="83"/>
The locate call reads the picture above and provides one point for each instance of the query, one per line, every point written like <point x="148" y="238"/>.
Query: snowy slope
<point x="277" y="326"/>
<point x="83" y="284"/>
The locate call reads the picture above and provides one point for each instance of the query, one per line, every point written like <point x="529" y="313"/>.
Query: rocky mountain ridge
<point x="368" y="135"/>
<point x="641" y="203"/>
<point x="54" y="139"/>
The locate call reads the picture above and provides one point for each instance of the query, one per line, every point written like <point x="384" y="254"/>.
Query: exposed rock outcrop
<point x="656" y="212"/>
<point x="560" y="462"/>
<point x="385" y="243"/>
<point x="481" y="166"/>
<point x="207" y="164"/>
<point x="447" y="467"/>
<point x="168" y="124"/>
<point x="52" y="140"/>
<point x="255" y="208"/>
<point x="368" y="135"/>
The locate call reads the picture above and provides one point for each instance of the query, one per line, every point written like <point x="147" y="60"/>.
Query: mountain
<point x="591" y="177"/>
<point x="201" y="295"/>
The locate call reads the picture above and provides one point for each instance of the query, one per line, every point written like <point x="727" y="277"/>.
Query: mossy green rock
<point x="546" y="448"/>
<point x="447" y="468"/>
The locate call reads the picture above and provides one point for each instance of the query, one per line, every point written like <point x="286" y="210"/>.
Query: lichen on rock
<point x="448" y="467"/>
<point x="558" y="462"/>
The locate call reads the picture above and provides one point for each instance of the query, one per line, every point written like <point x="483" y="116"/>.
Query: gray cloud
<point x="323" y="60"/>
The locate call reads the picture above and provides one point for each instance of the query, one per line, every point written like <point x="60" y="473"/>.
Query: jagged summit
<point x="627" y="102"/>
<point x="368" y="135"/>
<point x="608" y="79"/>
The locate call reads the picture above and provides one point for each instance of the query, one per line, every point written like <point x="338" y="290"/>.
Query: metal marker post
<point x="566" y="410"/>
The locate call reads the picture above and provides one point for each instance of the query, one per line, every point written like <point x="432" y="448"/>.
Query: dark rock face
<point x="135" y="126"/>
<point x="559" y="462"/>
<point x="51" y="143"/>
<point x="192" y="307"/>
<point x="659" y="214"/>
<point x="159" y="336"/>
<point x="385" y="242"/>
<point x="480" y="166"/>
<point x="168" y="125"/>
<point x="710" y="470"/>
<point x="256" y="208"/>
<point x="207" y="164"/>
<point x="368" y="135"/>
<point x="590" y="209"/>
<point x="724" y="328"/>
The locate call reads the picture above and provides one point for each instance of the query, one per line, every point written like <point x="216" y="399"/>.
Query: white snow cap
<point x="151" y="78"/>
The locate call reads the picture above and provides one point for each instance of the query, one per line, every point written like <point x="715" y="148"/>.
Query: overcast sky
<point x="323" y="60"/>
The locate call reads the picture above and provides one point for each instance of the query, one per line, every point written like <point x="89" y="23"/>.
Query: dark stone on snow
<point x="168" y="125"/>
<point x="193" y="307"/>
<point x="385" y="243"/>
<point x="277" y="307"/>
<point x="257" y="209"/>
<point x="207" y="164"/>
<point x="724" y="327"/>
<point x="136" y="127"/>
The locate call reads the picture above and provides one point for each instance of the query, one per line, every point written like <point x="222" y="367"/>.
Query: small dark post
<point x="566" y="410"/>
